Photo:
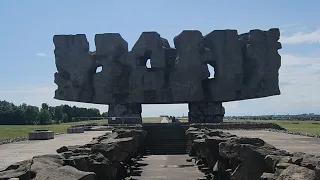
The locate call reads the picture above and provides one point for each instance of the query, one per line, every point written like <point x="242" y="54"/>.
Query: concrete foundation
<point x="41" y="135"/>
<point x="75" y="130"/>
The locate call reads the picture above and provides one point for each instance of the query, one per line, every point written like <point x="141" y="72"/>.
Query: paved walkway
<point x="168" y="167"/>
<point x="289" y="142"/>
<point x="19" y="151"/>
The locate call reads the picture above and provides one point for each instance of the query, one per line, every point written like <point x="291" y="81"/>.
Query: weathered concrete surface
<point x="173" y="167"/>
<point x="246" y="66"/>
<point x="11" y="153"/>
<point x="289" y="142"/>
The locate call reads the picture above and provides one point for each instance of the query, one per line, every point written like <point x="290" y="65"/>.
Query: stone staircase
<point x="165" y="139"/>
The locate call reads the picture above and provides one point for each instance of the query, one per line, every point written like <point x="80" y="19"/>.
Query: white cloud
<point x="294" y="27"/>
<point x="302" y="37"/>
<point x="41" y="54"/>
<point x="299" y="85"/>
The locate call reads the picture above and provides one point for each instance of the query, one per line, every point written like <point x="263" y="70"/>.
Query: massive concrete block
<point x="109" y="48"/>
<point x="75" y="67"/>
<point x="246" y="66"/>
<point x="261" y="64"/>
<point x="227" y="61"/>
<point x="189" y="70"/>
<point x="206" y="112"/>
<point x="124" y="114"/>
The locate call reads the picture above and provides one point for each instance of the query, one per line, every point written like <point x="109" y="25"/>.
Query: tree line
<point x="24" y="114"/>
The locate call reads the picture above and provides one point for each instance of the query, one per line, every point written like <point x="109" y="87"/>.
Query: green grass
<point x="297" y="126"/>
<point x="14" y="131"/>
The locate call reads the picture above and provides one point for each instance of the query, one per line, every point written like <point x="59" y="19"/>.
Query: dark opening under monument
<point x="246" y="66"/>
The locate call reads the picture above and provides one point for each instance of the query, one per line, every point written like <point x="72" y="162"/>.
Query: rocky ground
<point x="224" y="156"/>
<point x="111" y="156"/>
<point x="219" y="155"/>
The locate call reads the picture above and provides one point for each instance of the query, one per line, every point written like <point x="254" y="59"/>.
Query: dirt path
<point x="14" y="152"/>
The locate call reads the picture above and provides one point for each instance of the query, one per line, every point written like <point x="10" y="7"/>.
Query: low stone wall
<point x="238" y="125"/>
<point x="226" y="156"/>
<point x="71" y="130"/>
<point x="108" y="157"/>
<point x="41" y="135"/>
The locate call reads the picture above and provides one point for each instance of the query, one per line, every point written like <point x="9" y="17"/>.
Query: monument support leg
<point x="124" y="114"/>
<point x="206" y="112"/>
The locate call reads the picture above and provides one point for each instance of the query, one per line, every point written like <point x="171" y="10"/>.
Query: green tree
<point x="44" y="117"/>
<point x="51" y="110"/>
<point x="68" y="110"/>
<point x="65" y="117"/>
<point x="18" y="116"/>
<point x="31" y="113"/>
<point x="58" y="113"/>
<point x="6" y="112"/>
<point x="105" y="114"/>
<point x="45" y="106"/>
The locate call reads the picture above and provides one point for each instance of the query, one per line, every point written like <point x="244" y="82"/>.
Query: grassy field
<point x="14" y="131"/>
<point x="298" y="126"/>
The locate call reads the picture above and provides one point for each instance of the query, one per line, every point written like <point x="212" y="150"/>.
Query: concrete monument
<point x="246" y="66"/>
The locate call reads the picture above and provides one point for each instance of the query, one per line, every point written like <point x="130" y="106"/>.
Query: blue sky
<point x="27" y="59"/>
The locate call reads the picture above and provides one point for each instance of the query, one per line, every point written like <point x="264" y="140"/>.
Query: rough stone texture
<point x="75" y="130"/>
<point x="109" y="48"/>
<point x="107" y="157"/>
<point x="295" y="172"/>
<point x="246" y="66"/>
<point x="76" y="67"/>
<point x="41" y="135"/>
<point x="225" y="156"/>
<point x="70" y="173"/>
<point x="125" y="114"/>
<point x="206" y="112"/>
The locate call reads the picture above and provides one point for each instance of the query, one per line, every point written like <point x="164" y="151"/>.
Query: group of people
<point x="172" y="118"/>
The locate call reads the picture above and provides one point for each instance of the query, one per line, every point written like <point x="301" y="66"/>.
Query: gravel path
<point x="289" y="142"/>
<point x="14" y="152"/>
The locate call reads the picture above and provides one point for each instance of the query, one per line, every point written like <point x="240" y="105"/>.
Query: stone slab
<point x="173" y="167"/>
<point x="41" y="135"/>
<point x="75" y="130"/>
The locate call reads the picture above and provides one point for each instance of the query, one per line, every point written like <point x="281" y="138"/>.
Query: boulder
<point x="268" y="176"/>
<point x="17" y="170"/>
<point x="295" y="172"/>
<point x="105" y="157"/>
<point x="65" y="172"/>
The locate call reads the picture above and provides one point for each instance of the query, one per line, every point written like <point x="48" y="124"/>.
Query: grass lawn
<point x="14" y="131"/>
<point x="298" y="126"/>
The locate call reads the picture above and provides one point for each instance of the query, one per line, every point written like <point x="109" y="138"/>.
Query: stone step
<point x="165" y="139"/>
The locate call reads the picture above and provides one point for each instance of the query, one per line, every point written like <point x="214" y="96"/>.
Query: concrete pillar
<point x="124" y="114"/>
<point x="206" y="112"/>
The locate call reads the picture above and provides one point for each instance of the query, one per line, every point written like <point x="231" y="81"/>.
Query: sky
<point x="27" y="27"/>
